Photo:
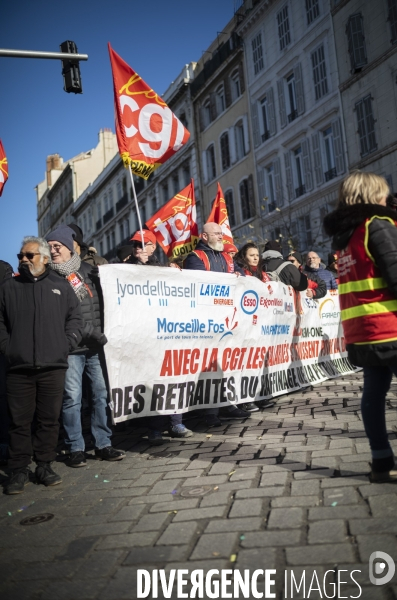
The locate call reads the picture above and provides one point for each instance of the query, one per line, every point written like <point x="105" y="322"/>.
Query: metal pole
<point x="137" y="207"/>
<point x="38" y="54"/>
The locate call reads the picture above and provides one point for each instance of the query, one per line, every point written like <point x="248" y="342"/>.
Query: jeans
<point x="162" y="422"/>
<point x="29" y="393"/>
<point x="90" y="363"/>
<point x="376" y="385"/>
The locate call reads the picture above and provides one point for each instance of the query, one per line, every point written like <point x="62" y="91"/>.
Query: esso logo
<point x="249" y="302"/>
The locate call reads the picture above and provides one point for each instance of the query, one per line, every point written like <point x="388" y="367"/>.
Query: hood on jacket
<point x="341" y="223"/>
<point x="272" y="254"/>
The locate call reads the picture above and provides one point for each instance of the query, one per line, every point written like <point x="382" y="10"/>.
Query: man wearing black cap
<point x="289" y="274"/>
<point x="317" y="287"/>
<point x="89" y="356"/>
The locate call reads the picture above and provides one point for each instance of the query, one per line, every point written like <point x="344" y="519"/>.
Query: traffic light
<point x="71" y="69"/>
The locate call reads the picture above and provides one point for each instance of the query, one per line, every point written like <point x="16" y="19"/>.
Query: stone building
<point x="366" y="49"/>
<point x="296" y="118"/>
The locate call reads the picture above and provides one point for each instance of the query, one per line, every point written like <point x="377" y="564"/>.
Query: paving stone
<point x="338" y="512"/>
<point x="152" y="522"/>
<point x="181" y="474"/>
<point x="242" y="474"/>
<point x="200" y="513"/>
<point x="150" y="499"/>
<point x="100" y="564"/>
<point x="340" y="496"/>
<point x="216" y="499"/>
<point x="344" y="481"/>
<point x="178" y="533"/>
<point x="383" y="506"/>
<point x="105" y="528"/>
<point x="327" y="532"/>
<point x="127" y="540"/>
<point x="242" y="524"/>
<point x="302" y="488"/>
<point x="269" y="479"/>
<point x="256" y="559"/>
<point x="332" y="452"/>
<point x="128" y="513"/>
<point x="167" y="486"/>
<point x="377" y="489"/>
<point x="198" y="481"/>
<point x="288" y="518"/>
<point x="220" y="468"/>
<point x="219" y="545"/>
<point x="320" y="554"/>
<point x="246" y="507"/>
<point x="265" y="492"/>
<point x="272" y="538"/>
<point x="304" y="501"/>
<point x="159" y="554"/>
<point x="176" y="505"/>
<point x="82" y="588"/>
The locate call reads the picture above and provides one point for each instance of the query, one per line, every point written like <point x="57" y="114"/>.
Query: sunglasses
<point x="29" y="255"/>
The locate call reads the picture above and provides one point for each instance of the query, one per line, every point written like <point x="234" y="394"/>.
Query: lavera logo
<point x="249" y="302"/>
<point x="211" y="294"/>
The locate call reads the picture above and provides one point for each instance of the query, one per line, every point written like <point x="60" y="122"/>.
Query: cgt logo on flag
<point x="175" y="224"/>
<point x="148" y="132"/>
<point x="220" y="215"/>
<point x="3" y="168"/>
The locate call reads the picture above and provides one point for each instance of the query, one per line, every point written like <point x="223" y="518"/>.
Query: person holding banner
<point x="249" y="260"/>
<point x="364" y="234"/>
<point x="317" y="288"/>
<point x="287" y="273"/>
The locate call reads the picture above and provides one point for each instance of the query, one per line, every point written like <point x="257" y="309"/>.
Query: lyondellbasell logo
<point x="381" y="568"/>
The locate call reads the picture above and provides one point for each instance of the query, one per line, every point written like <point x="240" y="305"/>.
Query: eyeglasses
<point x="56" y="247"/>
<point x="29" y="255"/>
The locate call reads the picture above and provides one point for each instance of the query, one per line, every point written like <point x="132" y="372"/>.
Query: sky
<point x="38" y="118"/>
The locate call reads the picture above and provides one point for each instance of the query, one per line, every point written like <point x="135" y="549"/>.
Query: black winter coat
<point x="382" y="244"/>
<point x="91" y="306"/>
<point x="290" y="275"/>
<point x="40" y="321"/>
<point x="321" y="290"/>
<point x="217" y="262"/>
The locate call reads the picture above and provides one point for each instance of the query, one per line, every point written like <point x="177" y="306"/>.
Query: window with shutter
<point x="246" y="135"/>
<point x="318" y="167"/>
<point x="338" y="146"/>
<point x="175" y="184"/>
<point x="288" y="176"/>
<point x="220" y="100"/>
<point x="245" y="200"/>
<point x="312" y="10"/>
<point x="392" y="18"/>
<point x="284" y="34"/>
<point x="270" y="111"/>
<point x="257" y="53"/>
<point x="366" y="126"/>
<point x="255" y="124"/>
<point x="278" y="188"/>
<point x="241" y="75"/>
<point x="329" y="154"/>
<point x="264" y="119"/>
<point x="299" y="172"/>
<point x="300" y="96"/>
<point x="281" y="102"/>
<point x="251" y="195"/>
<point x="228" y="92"/>
<point x="225" y="152"/>
<point x="239" y="136"/>
<point x="270" y="187"/>
<point x="211" y="165"/>
<point x="232" y="145"/>
<point x="213" y="113"/>
<point x="356" y="42"/>
<point x="230" y="207"/>
<point x="319" y="72"/>
<point x="260" y="174"/>
<point x="307" y="166"/>
<point x="235" y="85"/>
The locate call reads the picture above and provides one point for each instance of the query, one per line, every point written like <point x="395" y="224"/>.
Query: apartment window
<point x="356" y="41"/>
<point x="211" y="165"/>
<point x="230" y="207"/>
<point x="106" y="203"/>
<point x="164" y="192"/>
<point x="239" y="137"/>
<point x="220" y="100"/>
<point x="225" y="151"/>
<point x="124" y="183"/>
<point x="329" y="154"/>
<point x="312" y="10"/>
<point x="257" y="53"/>
<point x="121" y="231"/>
<point x="175" y="184"/>
<point x="299" y="173"/>
<point x="235" y="85"/>
<point x="245" y="200"/>
<point x="126" y="228"/>
<point x="183" y="120"/>
<point x="113" y="239"/>
<point x="392" y="18"/>
<point x="108" y="243"/>
<point x="319" y="73"/>
<point x="206" y="113"/>
<point x="291" y="98"/>
<point x="186" y="176"/>
<point x="305" y="232"/>
<point x="154" y="205"/>
<point x="265" y="129"/>
<point x="142" y="209"/>
<point x="284" y="35"/>
<point x="101" y="248"/>
<point x="270" y="187"/>
<point x="84" y="224"/>
<point x="366" y="125"/>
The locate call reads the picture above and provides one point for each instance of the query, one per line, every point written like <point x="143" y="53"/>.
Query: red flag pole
<point x="137" y="207"/>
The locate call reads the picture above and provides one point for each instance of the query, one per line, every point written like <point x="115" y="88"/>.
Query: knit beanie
<point x="62" y="234"/>
<point x="297" y="256"/>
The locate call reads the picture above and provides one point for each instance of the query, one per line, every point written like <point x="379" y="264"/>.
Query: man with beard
<point x="40" y="323"/>
<point x="209" y="255"/>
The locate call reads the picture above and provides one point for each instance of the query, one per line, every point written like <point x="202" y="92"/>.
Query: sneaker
<point x="155" y="438"/>
<point x="180" y="431"/>
<point x="235" y="413"/>
<point x="77" y="459"/>
<point x="109" y="453"/>
<point x="213" y="421"/>
<point x="18" y="480"/>
<point x="45" y="474"/>
<point x="250" y="407"/>
<point x="264" y="404"/>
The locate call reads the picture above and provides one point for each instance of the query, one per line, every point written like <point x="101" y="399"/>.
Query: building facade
<point x="366" y="48"/>
<point x="296" y="117"/>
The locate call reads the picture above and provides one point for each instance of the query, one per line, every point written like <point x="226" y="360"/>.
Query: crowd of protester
<point x="52" y="329"/>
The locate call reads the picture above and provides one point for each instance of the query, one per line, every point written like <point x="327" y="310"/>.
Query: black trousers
<point x="31" y="393"/>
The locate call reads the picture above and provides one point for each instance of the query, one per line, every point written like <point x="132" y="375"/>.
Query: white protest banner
<point x="180" y="341"/>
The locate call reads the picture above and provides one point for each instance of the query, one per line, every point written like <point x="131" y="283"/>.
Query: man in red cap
<point x="143" y="256"/>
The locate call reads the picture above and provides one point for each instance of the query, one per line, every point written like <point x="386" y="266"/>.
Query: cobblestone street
<point x="286" y="489"/>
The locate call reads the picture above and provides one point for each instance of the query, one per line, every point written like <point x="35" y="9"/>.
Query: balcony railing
<point x="292" y="116"/>
<point x="108" y="215"/>
<point x="331" y="174"/>
<point x="299" y="191"/>
<point x="265" y="136"/>
<point x="272" y="206"/>
<point x="99" y="224"/>
<point x="122" y="202"/>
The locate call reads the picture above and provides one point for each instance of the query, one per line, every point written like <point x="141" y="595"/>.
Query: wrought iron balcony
<point x="122" y="202"/>
<point x="299" y="191"/>
<point x="99" y="224"/>
<point x="292" y="116"/>
<point x="266" y="135"/>
<point x="108" y="215"/>
<point x="330" y="174"/>
<point x="272" y="206"/>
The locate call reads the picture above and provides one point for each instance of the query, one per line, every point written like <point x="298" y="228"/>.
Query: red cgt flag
<point x="3" y="168"/>
<point x="219" y="215"/>
<point x="175" y="224"/>
<point x="148" y="132"/>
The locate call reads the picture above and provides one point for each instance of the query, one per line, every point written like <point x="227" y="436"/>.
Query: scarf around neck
<point x="70" y="271"/>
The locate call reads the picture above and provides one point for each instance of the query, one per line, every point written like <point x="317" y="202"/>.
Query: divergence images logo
<point x="249" y="302"/>
<point x="377" y="565"/>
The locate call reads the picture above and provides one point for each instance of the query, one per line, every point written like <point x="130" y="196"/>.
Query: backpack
<point x="275" y="275"/>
